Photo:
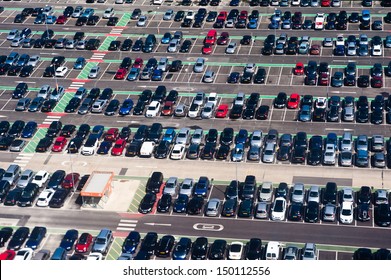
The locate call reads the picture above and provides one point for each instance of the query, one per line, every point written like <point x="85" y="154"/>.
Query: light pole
<point x="72" y="144"/>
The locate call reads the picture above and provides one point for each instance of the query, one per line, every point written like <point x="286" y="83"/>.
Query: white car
<point x="109" y="12"/>
<point x="340" y="40"/>
<point x="346" y="214"/>
<point x="95" y="257"/>
<point x="153" y="109"/>
<point x="157" y="2"/>
<point x="266" y="191"/>
<point x="147" y="149"/>
<point x="347" y="195"/>
<point x="212" y="97"/>
<point x="24" y="254"/>
<point x="89" y="147"/>
<point x="61" y="71"/>
<point x="207" y="111"/>
<point x="142" y="21"/>
<point x="194" y="111"/>
<point x="40" y="178"/>
<point x="376" y="50"/>
<point x="16" y="42"/>
<point x="178" y="151"/>
<point x="45" y="197"/>
<point x="321" y="102"/>
<point x="235" y="250"/>
<point x="329" y="155"/>
<point x="279" y="209"/>
<point x="250" y="68"/>
<point x="94" y="72"/>
<point x="98" y="106"/>
<point x="33" y="61"/>
<point x="231" y="48"/>
<point x="190" y="15"/>
<point x="13" y="34"/>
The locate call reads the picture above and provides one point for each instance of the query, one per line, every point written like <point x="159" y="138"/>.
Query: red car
<point x="325" y="3"/>
<point x="71" y="180"/>
<point x="138" y="63"/>
<point x="377" y="82"/>
<point x="84" y="243"/>
<point x="168" y="108"/>
<point x="112" y="134"/>
<point x="323" y="79"/>
<point x="222" y="111"/>
<point x="61" y="19"/>
<point x="223" y="39"/>
<point x="7" y="255"/>
<point x="293" y="101"/>
<point x="59" y="144"/>
<point x="222" y="15"/>
<point x="207" y="49"/>
<point x="315" y="50"/>
<point x="121" y="74"/>
<point x="118" y="148"/>
<point x="299" y="69"/>
<point x="243" y="15"/>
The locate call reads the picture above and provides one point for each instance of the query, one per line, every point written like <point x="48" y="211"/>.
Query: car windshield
<point x="308" y="254"/>
<point x="100" y="241"/>
<point x="236" y="248"/>
<point x="346" y="212"/>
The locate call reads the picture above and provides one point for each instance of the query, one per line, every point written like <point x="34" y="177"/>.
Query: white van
<point x="272" y="250"/>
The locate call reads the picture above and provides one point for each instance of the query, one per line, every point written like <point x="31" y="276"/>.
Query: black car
<point x="165" y="246"/>
<point x="81" y="21"/>
<point x="194" y="207"/>
<point x="164" y="203"/>
<point x="54" y="129"/>
<point x="147" y="203"/>
<point x="112" y="108"/>
<point x="104" y="147"/>
<point x="69" y="239"/>
<point x="74" y="145"/>
<point x="18" y="238"/>
<point x="4" y="67"/>
<point x="162" y="150"/>
<point x="19" y="18"/>
<point x="312" y="212"/>
<point x="362" y="115"/>
<point x="284" y="153"/>
<point x="260" y="76"/>
<point x="4" y="189"/>
<point x="5" y="142"/>
<point x="59" y="198"/>
<point x="295" y="212"/>
<point x="236" y="111"/>
<point x="280" y="100"/>
<point x="179" y="16"/>
<point x="83" y="131"/>
<point x="262" y="112"/>
<point x="199" y="249"/>
<point x="363" y="254"/>
<point x="92" y="20"/>
<point x="229" y="207"/>
<point x="72" y="105"/>
<point x="68" y="130"/>
<point x="126" y="45"/>
<point x="4" y="127"/>
<point x="383" y="215"/>
<point x="218" y="250"/>
<point x="28" y="195"/>
<point x="185" y="48"/>
<point x="149" y="243"/>
<point x="363" y="212"/>
<point x="314" y="157"/>
<point x="363" y="81"/>
<point x="298" y="155"/>
<point x="245" y="208"/>
<point x="233" y="78"/>
<point x="249" y="112"/>
<point x="16" y="128"/>
<point x="12" y="197"/>
<point x="44" y="144"/>
<point x="254" y="249"/>
<point x="5" y="235"/>
<point x="92" y="44"/>
<point x="26" y="71"/>
<point x="20" y="90"/>
<point x="112" y="21"/>
<point x="49" y="71"/>
<point x="246" y="40"/>
<point x="176" y="65"/>
<point x="329" y="193"/>
<point x="223" y="152"/>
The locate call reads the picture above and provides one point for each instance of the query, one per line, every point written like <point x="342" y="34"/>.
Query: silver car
<point x="13" y="34"/>
<point x="346" y="158"/>
<point x="180" y="110"/>
<point x="197" y="136"/>
<point x="231" y="48"/>
<point x="261" y="210"/>
<point x="187" y="187"/>
<point x="94" y="72"/>
<point x="142" y="21"/>
<point x="168" y="14"/>
<point x="17" y="145"/>
<point x="256" y="138"/>
<point x="298" y="193"/>
<point x="329" y="212"/>
<point x="314" y="194"/>
<point x="362" y="143"/>
<point x="309" y="252"/>
<point x="212" y="207"/>
<point x="327" y="42"/>
<point x="347" y="195"/>
<point x="207" y="111"/>
<point x="57" y="93"/>
<point x="173" y="45"/>
<point x="303" y="48"/>
<point x="183" y="136"/>
<point x="269" y="153"/>
<point x="171" y="186"/>
<point x="239" y="99"/>
<point x="254" y="153"/>
<point x="77" y="12"/>
<point x="291" y="253"/>
<point x="199" y="99"/>
<point x="208" y="77"/>
<point x="44" y="92"/>
<point x="25" y="178"/>
<point x="81" y="45"/>
<point x="266" y="192"/>
<point x="199" y="65"/>
<point x="348" y="114"/>
<point x="34" y="60"/>
<point x="70" y="44"/>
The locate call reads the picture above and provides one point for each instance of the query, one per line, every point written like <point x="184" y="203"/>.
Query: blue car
<point x="40" y="19"/>
<point x="36" y="237"/>
<point x="234" y="3"/>
<point x="157" y="75"/>
<point x="339" y="51"/>
<point x="166" y="38"/>
<point x="202" y="186"/>
<point x="182" y="249"/>
<point x="104" y="147"/>
<point x="305" y="113"/>
<point x="133" y="74"/>
<point x="51" y="19"/>
<point x="88" y="12"/>
<point x="29" y="129"/>
<point x="79" y="63"/>
<point x="337" y="79"/>
<point x="169" y="135"/>
<point x="97" y="131"/>
<point x="126" y="107"/>
<point x="252" y="24"/>
<point x="274" y="24"/>
<point x="69" y="239"/>
<point x="180" y="205"/>
<point x="131" y="242"/>
<point x="241" y="137"/>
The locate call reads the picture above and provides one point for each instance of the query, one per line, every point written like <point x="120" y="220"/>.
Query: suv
<point x="155" y="182"/>
<point x="309" y="252"/>
<point x="102" y="241"/>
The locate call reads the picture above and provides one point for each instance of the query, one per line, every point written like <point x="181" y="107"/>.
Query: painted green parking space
<point x="124" y="20"/>
<point x="32" y="144"/>
<point x="86" y="70"/>
<point x="106" y="43"/>
<point x="60" y="107"/>
<point x="138" y="196"/>
<point x="115" y="249"/>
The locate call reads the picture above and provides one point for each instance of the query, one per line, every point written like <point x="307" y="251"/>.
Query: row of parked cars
<point x="24" y="245"/>
<point x="27" y="188"/>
